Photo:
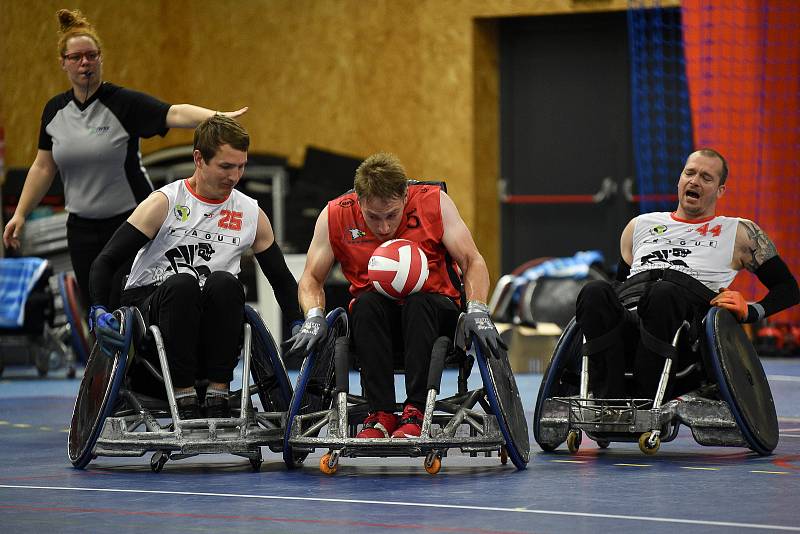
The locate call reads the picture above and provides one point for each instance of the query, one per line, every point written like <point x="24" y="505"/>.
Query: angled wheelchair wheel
<point x="552" y="300"/>
<point x="504" y="399"/>
<point x="70" y="297"/>
<point x="742" y="381"/>
<point x="266" y="367"/>
<point x="98" y="393"/>
<point x="315" y="383"/>
<point x="561" y="378"/>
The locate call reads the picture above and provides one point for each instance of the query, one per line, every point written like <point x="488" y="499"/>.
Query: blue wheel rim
<point x="262" y="336"/>
<point x="112" y="389"/>
<point x="299" y="390"/>
<point x="551" y="374"/>
<point x="491" y="393"/>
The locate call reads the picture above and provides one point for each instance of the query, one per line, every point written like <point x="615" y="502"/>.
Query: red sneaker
<point x="410" y="423"/>
<point x="378" y="425"/>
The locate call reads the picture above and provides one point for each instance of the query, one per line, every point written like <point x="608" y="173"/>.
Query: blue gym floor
<point x="684" y="488"/>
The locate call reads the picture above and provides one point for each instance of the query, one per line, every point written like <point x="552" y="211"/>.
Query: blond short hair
<point x="381" y="176"/>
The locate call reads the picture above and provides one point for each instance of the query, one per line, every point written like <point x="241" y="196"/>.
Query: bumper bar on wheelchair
<point x="710" y="420"/>
<point x="484" y="434"/>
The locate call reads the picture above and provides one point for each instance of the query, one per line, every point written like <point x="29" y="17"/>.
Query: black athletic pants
<point x="201" y="327"/>
<point x="382" y="327"/>
<point x="661" y="310"/>
<point x="85" y="239"/>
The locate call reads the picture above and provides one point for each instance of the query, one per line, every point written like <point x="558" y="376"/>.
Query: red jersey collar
<point x="698" y="221"/>
<point x="199" y="197"/>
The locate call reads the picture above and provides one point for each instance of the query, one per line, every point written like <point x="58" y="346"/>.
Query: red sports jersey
<point x="353" y="243"/>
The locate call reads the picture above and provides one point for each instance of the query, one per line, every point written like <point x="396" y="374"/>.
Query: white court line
<point x="784" y="378"/>
<point x="417" y="505"/>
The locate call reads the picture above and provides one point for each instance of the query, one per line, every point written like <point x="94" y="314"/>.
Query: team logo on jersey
<point x="183" y="259"/>
<point x="658" y="229"/>
<point x="668" y="258"/>
<point x="181" y="213"/>
<point x="346" y="203"/>
<point x="355" y="233"/>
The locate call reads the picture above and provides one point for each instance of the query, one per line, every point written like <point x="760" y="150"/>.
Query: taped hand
<point x="733" y="301"/>
<point x="106" y="329"/>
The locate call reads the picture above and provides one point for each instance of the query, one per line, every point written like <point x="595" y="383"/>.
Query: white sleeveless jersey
<point x="199" y="236"/>
<point x="702" y="249"/>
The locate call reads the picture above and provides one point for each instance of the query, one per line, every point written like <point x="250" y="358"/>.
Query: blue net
<point x="661" y="116"/>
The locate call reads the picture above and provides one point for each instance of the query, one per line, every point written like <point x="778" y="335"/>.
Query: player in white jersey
<point x="690" y="257"/>
<point x="188" y="238"/>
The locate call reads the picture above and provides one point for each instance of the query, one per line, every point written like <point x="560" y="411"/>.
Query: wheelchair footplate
<point x="602" y="416"/>
<point x="455" y="424"/>
<point x="607" y="420"/>
<point x="439" y="434"/>
<point x="134" y="431"/>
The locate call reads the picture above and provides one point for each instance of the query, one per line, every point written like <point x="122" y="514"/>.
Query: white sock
<point x="183" y="393"/>
<point x="214" y="392"/>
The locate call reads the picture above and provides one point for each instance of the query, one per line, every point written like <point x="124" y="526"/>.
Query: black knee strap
<point x="660" y="347"/>
<point x="607" y="340"/>
<point x="691" y="284"/>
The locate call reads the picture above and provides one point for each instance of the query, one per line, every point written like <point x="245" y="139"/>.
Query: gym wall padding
<point x="417" y="78"/>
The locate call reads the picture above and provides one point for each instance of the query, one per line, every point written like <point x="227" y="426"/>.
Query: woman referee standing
<point x="90" y="135"/>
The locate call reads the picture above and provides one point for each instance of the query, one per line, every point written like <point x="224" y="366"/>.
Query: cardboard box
<point x="530" y="349"/>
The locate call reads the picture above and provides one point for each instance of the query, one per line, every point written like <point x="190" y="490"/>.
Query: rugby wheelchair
<point x="726" y="398"/>
<point x="543" y="290"/>
<point x="53" y="333"/>
<point x="323" y="413"/>
<point x="126" y="405"/>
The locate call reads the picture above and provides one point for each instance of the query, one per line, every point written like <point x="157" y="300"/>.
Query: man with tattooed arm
<point x="687" y="259"/>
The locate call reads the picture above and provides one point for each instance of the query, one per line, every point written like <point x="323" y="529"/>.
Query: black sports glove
<point x="311" y="334"/>
<point x="478" y="323"/>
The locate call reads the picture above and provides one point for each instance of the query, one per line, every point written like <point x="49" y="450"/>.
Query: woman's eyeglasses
<point x="76" y="57"/>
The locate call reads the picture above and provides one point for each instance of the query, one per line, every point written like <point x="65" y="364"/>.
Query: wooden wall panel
<point x="413" y="77"/>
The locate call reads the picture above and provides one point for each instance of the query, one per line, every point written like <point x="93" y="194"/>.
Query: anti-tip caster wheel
<point x="648" y="443"/>
<point x="157" y="461"/>
<point x="433" y="463"/>
<point x="329" y="464"/>
<point x="574" y="441"/>
<point x="603" y="444"/>
<point x="255" y="463"/>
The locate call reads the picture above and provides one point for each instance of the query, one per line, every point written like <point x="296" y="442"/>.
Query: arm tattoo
<point x="759" y="246"/>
